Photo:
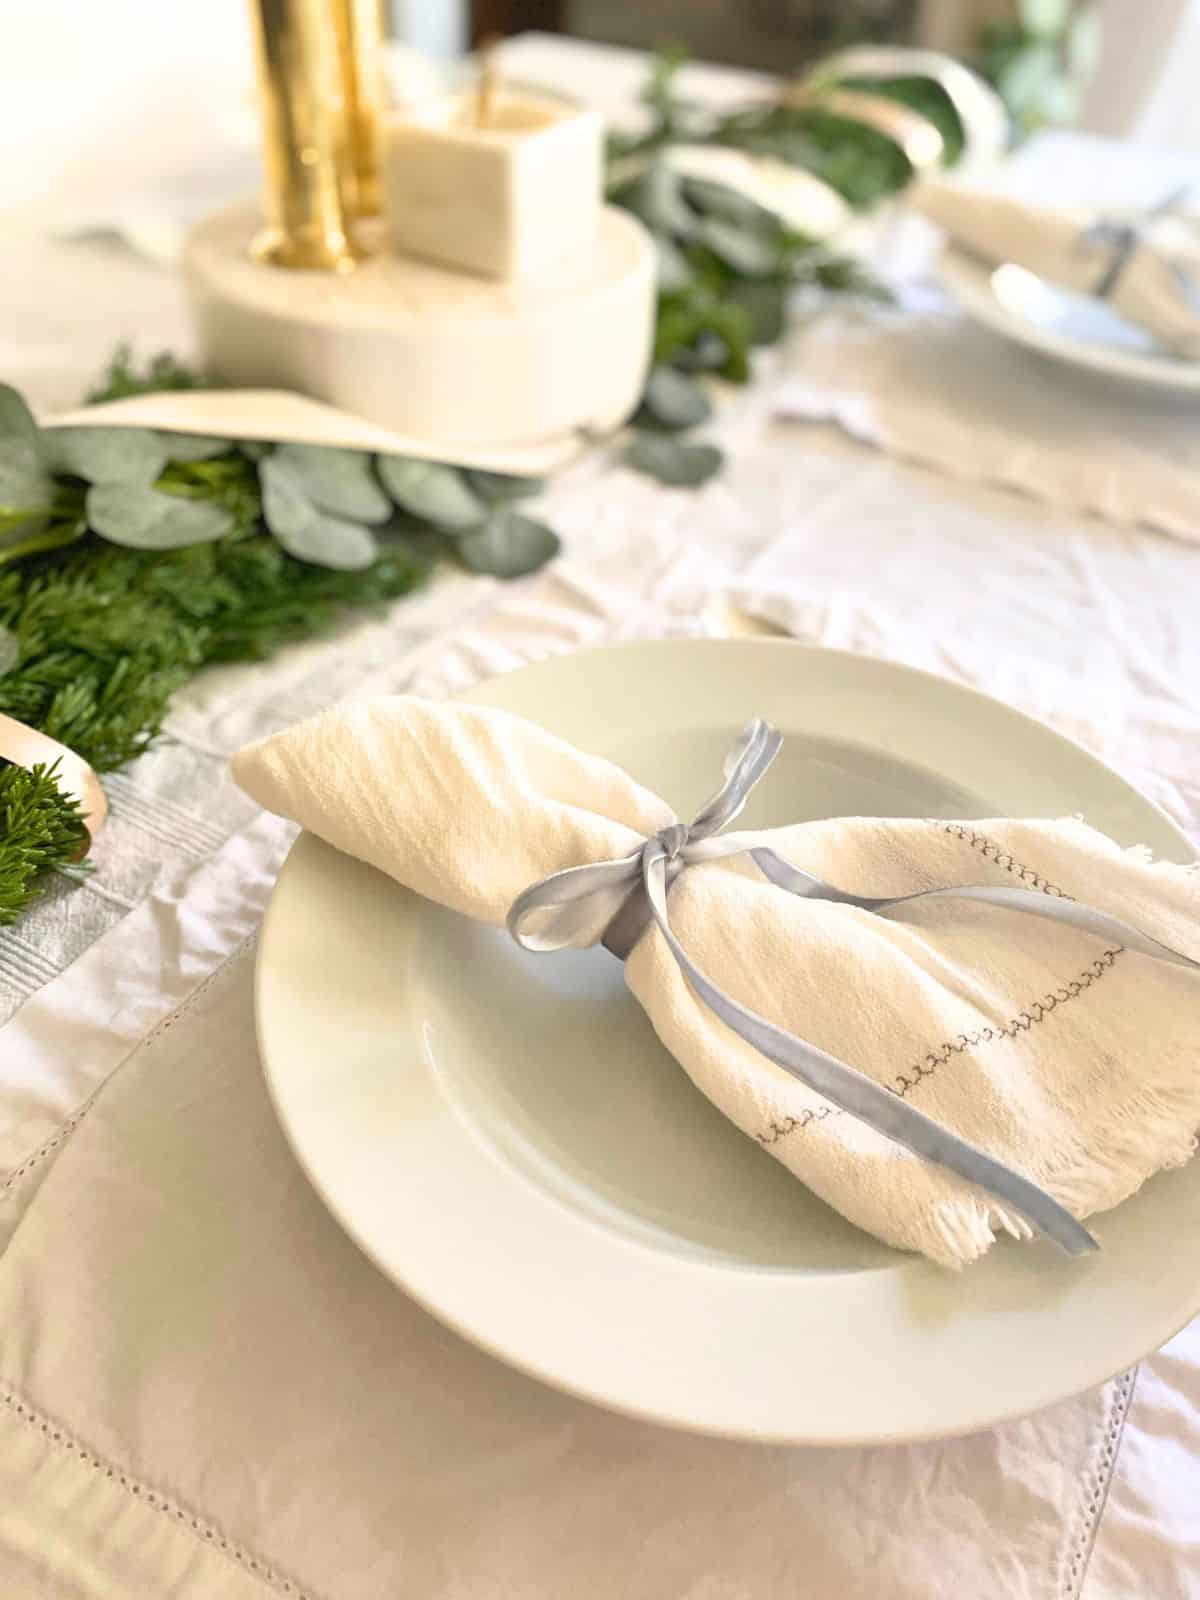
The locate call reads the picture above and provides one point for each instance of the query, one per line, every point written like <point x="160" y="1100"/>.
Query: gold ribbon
<point x="26" y="747"/>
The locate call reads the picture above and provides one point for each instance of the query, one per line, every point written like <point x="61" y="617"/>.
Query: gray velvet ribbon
<point x="1124" y="238"/>
<point x="614" y="902"/>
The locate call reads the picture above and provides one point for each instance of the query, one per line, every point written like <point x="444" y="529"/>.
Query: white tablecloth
<point x="205" y="1390"/>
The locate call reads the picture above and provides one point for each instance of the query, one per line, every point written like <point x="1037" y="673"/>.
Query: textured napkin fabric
<point x="1158" y="286"/>
<point x="1072" y="1060"/>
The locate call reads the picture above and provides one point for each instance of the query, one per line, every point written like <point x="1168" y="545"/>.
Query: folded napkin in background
<point x="1071" y="1059"/>
<point x="1148" y="267"/>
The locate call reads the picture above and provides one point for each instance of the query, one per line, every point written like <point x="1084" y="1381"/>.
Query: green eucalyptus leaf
<point x="16" y="419"/>
<point x="674" y="271"/>
<point x="141" y="518"/>
<point x="107" y="455"/>
<point x="730" y="205"/>
<point x="766" y="306"/>
<point x="503" y="485"/>
<point x="194" y="446"/>
<point x="1045" y="18"/>
<point x="673" y="400"/>
<point x="656" y="197"/>
<point x="708" y="352"/>
<point x="338" y="481"/>
<point x="303" y="529"/>
<point x="749" y="254"/>
<point x="429" y="490"/>
<point x="25" y="484"/>
<point x="10" y="650"/>
<point x="508" y="545"/>
<point x="1028" y="77"/>
<point x="671" y="461"/>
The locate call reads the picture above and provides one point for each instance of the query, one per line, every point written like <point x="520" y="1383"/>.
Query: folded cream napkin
<point x="1067" y="1050"/>
<point x="1147" y="268"/>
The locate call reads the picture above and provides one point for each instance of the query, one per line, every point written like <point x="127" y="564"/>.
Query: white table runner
<point x="204" y="1388"/>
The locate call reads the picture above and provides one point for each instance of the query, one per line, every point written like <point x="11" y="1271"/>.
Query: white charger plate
<point x="504" y="1136"/>
<point x="1072" y="328"/>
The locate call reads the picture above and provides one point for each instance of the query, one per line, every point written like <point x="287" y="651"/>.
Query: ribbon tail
<point x="1031" y="901"/>
<point x="865" y="1099"/>
<point x="1055" y="909"/>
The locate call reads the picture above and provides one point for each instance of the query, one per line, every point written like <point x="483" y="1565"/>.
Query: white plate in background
<point x="1074" y="328"/>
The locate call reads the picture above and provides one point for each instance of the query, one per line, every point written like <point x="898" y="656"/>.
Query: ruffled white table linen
<point x="207" y="1391"/>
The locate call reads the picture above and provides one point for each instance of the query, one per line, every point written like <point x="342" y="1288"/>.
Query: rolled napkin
<point x="1013" y="1047"/>
<point x="1147" y="267"/>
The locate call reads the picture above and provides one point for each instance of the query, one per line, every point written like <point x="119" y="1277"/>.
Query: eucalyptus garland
<point x="130" y="559"/>
<point x="728" y="266"/>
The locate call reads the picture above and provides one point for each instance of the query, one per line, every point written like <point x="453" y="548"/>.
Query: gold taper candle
<point x="489" y="76"/>
<point x="359" y="25"/>
<point x="303" y="110"/>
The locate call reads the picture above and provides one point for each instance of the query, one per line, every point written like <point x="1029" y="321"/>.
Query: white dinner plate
<point x="504" y="1136"/>
<point x="1074" y="328"/>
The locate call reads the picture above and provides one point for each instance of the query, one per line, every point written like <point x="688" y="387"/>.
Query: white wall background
<point x="1148" y="82"/>
<point x="88" y="82"/>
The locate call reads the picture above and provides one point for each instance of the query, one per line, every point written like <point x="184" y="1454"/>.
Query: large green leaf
<point x="341" y="482"/>
<point x="765" y="304"/>
<point x="718" y="200"/>
<point x="303" y="529"/>
<point x="437" y="493"/>
<point x="106" y="455"/>
<point x="25" y="484"/>
<point x="751" y="254"/>
<point x="656" y="197"/>
<point x="671" y="461"/>
<point x="16" y="419"/>
<point x="508" y="545"/>
<point x="135" y="515"/>
<point x="673" y="400"/>
<point x="674" y="272"/>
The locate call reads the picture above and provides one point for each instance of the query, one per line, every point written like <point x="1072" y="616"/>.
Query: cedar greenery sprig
<point x="105" y="636"/>
<point x="40" y="829"/>
<point x="97" y="633"/>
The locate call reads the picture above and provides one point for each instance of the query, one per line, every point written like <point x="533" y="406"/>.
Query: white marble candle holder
<point x="502" y="199"/>
<point x="447" y="357"/>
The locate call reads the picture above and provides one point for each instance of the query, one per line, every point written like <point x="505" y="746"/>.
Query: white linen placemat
<point x="924" y="383"/>
<point x="200" y="1365"/>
